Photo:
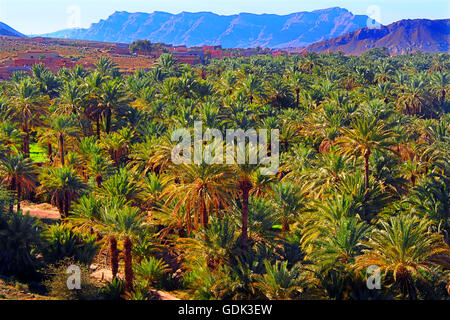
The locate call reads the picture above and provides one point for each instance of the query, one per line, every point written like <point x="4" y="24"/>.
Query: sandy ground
<point x="42" y="210"/>
<point x="47" y="211"/>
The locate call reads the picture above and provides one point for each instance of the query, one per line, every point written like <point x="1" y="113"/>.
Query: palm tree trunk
<point x="297" y="92"/>
<point x="26" y="139"/>
<point x="245" y="188"/>
<point x="366" y="169"/>
<point x="108" y="120"/>
<point x="114" y="256"/>
<point x="66" y="206"/>
<point x="203" y="212"/>
<point x="19" y="196"/>
<point x="50" y="152"/>
<point x="128" y="264"/>
<point x="285" y="227"/>
<point x="98" y="126"/>
<point x="61" y="148"/>
<point x="99" y="180"/>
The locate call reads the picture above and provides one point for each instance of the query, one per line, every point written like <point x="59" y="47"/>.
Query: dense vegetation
<point x="364" y="177"/>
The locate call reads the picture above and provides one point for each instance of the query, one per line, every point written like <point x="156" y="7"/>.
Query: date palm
<point x="111" y="99"/>
<point x="63" y="186"/>
<point x="299" y="82"/>
<point x="71" y="99"/>
<point x="412" y="99"/>
<point x="289" y="202"/>
<point x="26" y="102"/>
<point x="365" y="136"/>
<point x="404" y="246"/>
<point x="120" y="221"/>
<point x="252" y="88"/>
<point x="282" y="283"/>
<point x="18" y="174"/>
<point x="61" y="128"/>
<point x="202" y="188"/>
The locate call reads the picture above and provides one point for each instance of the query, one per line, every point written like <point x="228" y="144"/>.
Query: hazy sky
<point x="41" y="16"/>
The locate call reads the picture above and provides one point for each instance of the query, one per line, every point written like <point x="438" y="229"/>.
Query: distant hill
<point x="6" y="30"/>
<point x="399" y="37"/>
<point x="244" y="30"/>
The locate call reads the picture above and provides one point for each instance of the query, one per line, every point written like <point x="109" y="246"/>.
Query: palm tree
<point x="252" y="88"/>
<point x="18" y="174"/>
<point x="71" y="98"/>
<point x="289" y="202"/>
<point x="10" y="136"/>
<point x="281" y="283"/>
<point x="111" y="99"/>
<point x="365" y="136"/>
<point x="106" y="67"/>
<point x="405" y="246"/>
<point x="298" y="81"/>
<point x="61" y="128"/>
<point x="63" y="185"/>
<point x="99" y="167"/>
<point x="244" y="173"/>
<point x="26" y="103"/>
<point x="340" y="241"/>
<point x="121" y="186"/>
<point x="412" y="99"/>
<point x="124" y="222"/>
<point x="168" y="65"/>
<point x="202" y="188"/>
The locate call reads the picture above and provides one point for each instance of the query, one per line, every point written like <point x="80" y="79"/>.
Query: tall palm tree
<point x="252" y="88"/>
<point x="61" y="128"/>
<point x="404" y="246"/>
<point x="120" y="221"/>
<point x="63" y="185"/>
<point x="298" y="81"/>
<point x="202" y="188"/>
<point x="412" y="99"/>
<point x="111" y="99"/>
<point x="365" y="136"/>
<point x="18" y="174"/>
<point x="26" y="102"/>
<point x="71" y="98"/>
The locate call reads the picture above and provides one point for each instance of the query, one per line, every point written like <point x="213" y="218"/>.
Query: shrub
<point x="151" y="270"/>
<point x="20" y="242"/>
<point x="57" y="282"/>
<point x="62" y="241"/>
<point x="113" y="290"/>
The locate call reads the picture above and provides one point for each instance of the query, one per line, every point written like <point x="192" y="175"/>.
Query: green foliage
<point x="63" y="241"/>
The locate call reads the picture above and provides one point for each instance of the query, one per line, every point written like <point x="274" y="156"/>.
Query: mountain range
<point x="399" y="38"/>
<point x="244" y="30"/>
<point x="6" y="30"/>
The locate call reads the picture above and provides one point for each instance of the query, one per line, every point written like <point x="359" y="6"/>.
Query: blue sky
<point x="41" y="16"/>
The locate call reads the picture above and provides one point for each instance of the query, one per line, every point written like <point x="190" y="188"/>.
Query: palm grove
<point x="364" y="178"/>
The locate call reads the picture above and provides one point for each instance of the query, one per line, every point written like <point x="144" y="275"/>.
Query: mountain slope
<point x="399" y="37"/>
<point x="6" y="30"/>
<point x="206" y="28"/>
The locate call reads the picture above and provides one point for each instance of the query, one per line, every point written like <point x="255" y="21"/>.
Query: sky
<point x="43" y="16"/>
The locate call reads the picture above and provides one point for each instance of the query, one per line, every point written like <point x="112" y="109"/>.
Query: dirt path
<point x="41" y="211"/>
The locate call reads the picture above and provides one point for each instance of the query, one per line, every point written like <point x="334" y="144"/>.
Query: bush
<point x="113" y="290"/>
<point x="57" y="282"/>
<point x="63" y="241"/>
<point x="20" y="242"/>
<point x="151" y="270"/>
